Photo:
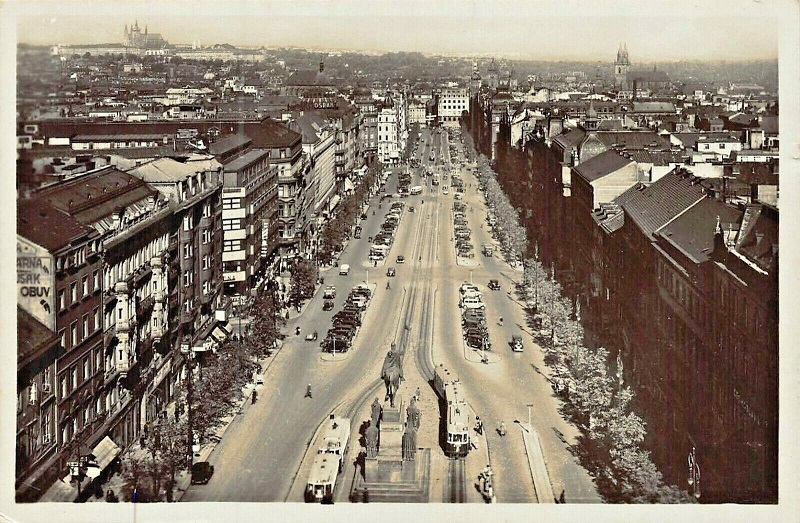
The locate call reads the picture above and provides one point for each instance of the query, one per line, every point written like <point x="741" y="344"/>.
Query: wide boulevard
<point x="264" y="448"/>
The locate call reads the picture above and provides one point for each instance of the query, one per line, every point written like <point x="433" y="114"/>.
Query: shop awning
<point x="105" y="452"/>
<point x="221" y="331"/>
<point x="348" y="185"/>
<point x="334" y="202"/>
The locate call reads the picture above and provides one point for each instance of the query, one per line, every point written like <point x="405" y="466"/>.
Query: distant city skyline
<point x="568" y="30"/>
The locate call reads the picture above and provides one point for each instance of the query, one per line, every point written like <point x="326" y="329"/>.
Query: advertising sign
<point x="36" y="282"/>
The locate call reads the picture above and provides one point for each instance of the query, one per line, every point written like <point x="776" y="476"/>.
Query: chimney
<point x="719" y="238"/>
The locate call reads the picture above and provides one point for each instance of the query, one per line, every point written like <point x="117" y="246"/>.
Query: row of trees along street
<point x="610" y="446"/>
<point x="338" y="229"/>
<point x="216" y="395"/>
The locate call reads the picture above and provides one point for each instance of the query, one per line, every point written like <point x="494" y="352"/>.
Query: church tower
<point x="493" y="79"/>
<point x="621" y="67"/>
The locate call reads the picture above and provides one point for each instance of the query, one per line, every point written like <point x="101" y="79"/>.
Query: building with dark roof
<point x="38" y="348"/>
<point x="107" y="284"/>
<point x="666" y="303"/>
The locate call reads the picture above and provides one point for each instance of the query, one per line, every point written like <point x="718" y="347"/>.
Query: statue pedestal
<point x="387" y="478"/>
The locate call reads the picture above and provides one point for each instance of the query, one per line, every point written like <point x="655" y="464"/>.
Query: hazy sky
<point x="567" y="29"/>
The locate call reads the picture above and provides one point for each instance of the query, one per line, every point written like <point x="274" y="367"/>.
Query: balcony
<point x="145" y="307"/>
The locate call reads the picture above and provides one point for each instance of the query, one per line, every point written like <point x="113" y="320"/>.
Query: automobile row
<point x="347" y="321"/>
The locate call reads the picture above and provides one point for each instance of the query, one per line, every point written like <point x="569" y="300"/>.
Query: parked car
<point x="477" y="339"/>
<point x="516" y="343"/>
<point x="327" y="305"/>
<point x="472" y="303"/>
<point x="468" y="287"/>
<point x="401" y="259"/>
<point x="344" y="269"/>
<point x="202" y="472"/>
<point x="390" y="271"/>
<point x="494" y="285"/>
<point x="330" y="292"/>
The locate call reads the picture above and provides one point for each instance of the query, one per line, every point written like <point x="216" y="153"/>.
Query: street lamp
<point x="694" y="473"/>
<point x="186" y="350"/>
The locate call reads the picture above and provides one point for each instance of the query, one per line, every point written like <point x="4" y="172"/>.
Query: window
<point x="61" y="296"/>
<point x="87" y="368"/>
<point x="73" y="292"/>
<point x="187" y="278"/>
<point x="85" y="326"/>
<point x="188" y="222"/>
<point x="85" y="286"/>
<point x="74" y="378"/>
<point x="206" y="262"/>
<point x="188" y="250"/>
<point x="97" y="320"/>
<point x="231" y="203"/>
<point x="63" y="334"/>
<point x="231" y="224"/>
<point x="98" y="359"/>
<point x="207" y="236"/>
<point x="63" y="386"/>
<point x="232" y="245"/>
<point x="96" y="277"/>
<point x="73" y="330"/>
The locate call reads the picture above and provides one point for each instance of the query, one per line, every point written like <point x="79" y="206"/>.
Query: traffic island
<point x="478" y="355"/>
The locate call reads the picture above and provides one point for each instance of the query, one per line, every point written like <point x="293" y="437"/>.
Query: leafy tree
<point x="304" y="276"/>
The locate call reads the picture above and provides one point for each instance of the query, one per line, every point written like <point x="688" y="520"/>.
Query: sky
<point x="563" y="30"/>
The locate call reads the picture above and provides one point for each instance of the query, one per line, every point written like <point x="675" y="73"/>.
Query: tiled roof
<point x="658" y="158"/>
<point x="47" y="226"/>
<point x="633" y="139"/>
<point x="601" y="165"/>
<point x="31" y="336"/>
<point x="651" y="207"/>
<point x="169" y="170"/>
<point x="692" y="232"/>
<point x="228" y="143"/>
<point x="94" y="196"/>
<point x="570" y="139"/>
<point x="758" y="236"/>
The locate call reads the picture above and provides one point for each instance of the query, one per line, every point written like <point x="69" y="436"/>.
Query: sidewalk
<point x="183" y="478"/>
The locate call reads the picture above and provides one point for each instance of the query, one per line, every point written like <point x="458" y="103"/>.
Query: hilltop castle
<point x="136" y="38"/>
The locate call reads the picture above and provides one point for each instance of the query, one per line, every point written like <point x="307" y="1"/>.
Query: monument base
<point x="391" y="480"/>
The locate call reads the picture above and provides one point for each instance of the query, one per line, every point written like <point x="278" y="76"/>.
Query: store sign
<point x="36" y="282"/>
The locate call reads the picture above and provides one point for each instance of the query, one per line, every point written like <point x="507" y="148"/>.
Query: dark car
<point x="401" y="259"/>
<point x="202" y="472"/>
<point x="476" y="339"/>
<point x="327" y="305"/>
<point x="494" y="285"/>
<point x="342" y="344"/>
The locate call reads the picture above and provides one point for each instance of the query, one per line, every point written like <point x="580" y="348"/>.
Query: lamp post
<point x="186" y="350"/>
<point x="694" y="473"/>
<point x="530" y="427"/>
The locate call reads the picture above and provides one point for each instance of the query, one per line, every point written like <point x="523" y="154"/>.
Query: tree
<point x="304" y="276"/>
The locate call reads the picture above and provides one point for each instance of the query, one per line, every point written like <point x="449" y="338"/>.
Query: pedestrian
<point x="177" y="415"/>
<point x="308" y="391"/>
<point x="561" y="497"/>
<point x="254" y="397"/>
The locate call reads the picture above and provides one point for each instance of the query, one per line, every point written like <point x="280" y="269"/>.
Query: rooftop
<point x="601" y="165"/>
<point x="169" y="170"/>
<point x="692" y="232"/>
<point x="651" y="207"/>
<point x="245" y="159"/>
<point x="31" y="336"/>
